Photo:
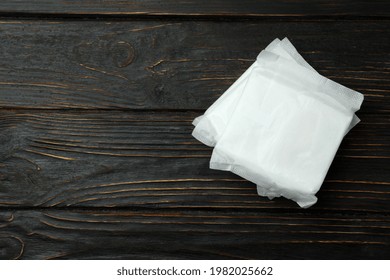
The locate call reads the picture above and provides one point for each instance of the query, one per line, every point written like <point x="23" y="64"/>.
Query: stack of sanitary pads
<point x="279" y="125"/>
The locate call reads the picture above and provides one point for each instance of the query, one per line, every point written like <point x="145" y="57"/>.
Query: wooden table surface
<point x="97" y="160"/>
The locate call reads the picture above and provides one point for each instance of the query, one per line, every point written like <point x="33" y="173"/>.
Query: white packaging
<point x="285" y="129"/>
<point x="211" y="125"/>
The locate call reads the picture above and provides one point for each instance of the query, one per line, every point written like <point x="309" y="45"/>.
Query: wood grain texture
<point x="123" y="234"/>
<point x="149" y="159"/>
<point x="253" y="8"/>
<point x="97" y="160"/>
<point x="174" y="64"/>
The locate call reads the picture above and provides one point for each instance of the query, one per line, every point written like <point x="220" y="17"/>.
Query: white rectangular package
<point x="286" y="128"/>
<point x="211" y="125"/>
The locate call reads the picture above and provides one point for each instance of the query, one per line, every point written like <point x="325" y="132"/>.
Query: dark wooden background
<point x="96" y="155"/>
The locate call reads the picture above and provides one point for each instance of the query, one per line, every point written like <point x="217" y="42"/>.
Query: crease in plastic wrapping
<point x="279" y="125"/>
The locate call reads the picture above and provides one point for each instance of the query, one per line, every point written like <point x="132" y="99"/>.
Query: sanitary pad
<point x="279" y="125"/>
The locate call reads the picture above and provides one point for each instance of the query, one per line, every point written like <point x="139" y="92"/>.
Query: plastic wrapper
<point x="264" y="73"/>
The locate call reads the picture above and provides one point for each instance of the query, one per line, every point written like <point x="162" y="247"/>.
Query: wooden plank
<point x="149" y="159"/>
<point x="78" y="234"/>
<point x="252" y="8"/>
<point x="174" y="64"/>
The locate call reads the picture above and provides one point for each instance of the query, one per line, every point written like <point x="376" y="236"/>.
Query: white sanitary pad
<point x="279" y="125"/>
